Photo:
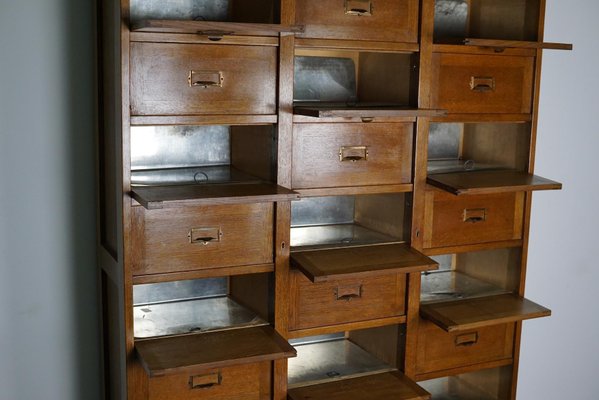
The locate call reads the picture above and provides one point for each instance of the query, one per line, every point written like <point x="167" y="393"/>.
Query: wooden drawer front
<point x="240" y="382"/>
<point x="389" y="20"/>
<point x="439" y="350"/>
<point x="330" y="155"/>
<point x="173" y="79"/>
<point x="346" y="300"/>
<point x="465" y="83"/>
<point x="470" y="219"/>
<point x="241" y="235"/>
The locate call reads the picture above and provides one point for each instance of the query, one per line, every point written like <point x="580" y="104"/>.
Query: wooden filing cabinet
<point x="305" y="199"/>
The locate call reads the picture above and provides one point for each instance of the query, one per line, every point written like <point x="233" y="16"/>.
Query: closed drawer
<point x="344" y="300"/>
<point x="465" y="83"/>
<point x="189" y="79"/>
<point x="240" y="382"/>
<point x="471" y="219"/>
<point x="381" y="20"/>
<point x="331" y="155"/>
<point x="200" y="237"/>
<point x="439" y="350"/>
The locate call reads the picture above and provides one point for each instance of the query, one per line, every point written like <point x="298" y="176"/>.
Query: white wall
<point x="48" y="297"/>
<point x="560" y="354"/>
<point x="48" y="330"/>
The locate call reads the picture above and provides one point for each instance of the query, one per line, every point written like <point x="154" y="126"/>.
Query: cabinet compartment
<point x="346" y="154"/>
<point x="467" y="83"/>
<point x="487" y="384"/>
<point x="379" y="20"/>
<point x="202" y="237"/>
<point x="440" y="350"/>
<point x="471" y="219"/>
<point x="200" y="79"/>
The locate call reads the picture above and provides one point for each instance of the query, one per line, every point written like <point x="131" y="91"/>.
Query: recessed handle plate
<point x="353" y="153"/>
<point x="360" y="8"/>
<point x="474" y="215"/>
<point x="205" y="79"/>
<point x="467" y="339"/>
<point x="205" y="381"/>
<point x="348" y="292"/>
<point x="204" y="236"/>
<point x="482" y="83"/>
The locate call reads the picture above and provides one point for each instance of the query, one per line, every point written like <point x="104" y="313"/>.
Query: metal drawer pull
<point x="205" y="79"/>
<point x="204" y="236"/>
<point x="353" y="153"/>
<point x="361" y="8"/>
<point x="482" y="84"/>
<point x="205" y="381"/>
<point x="468" y="339"/>
<point x="348" y="292"/>
<point x="475" y="215"/>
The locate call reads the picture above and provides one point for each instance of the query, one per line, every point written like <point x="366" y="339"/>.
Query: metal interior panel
<point x="331" y="79"/>
<point x="187" y="176"/>
<point x="444" y="141"/>
<point x="330" y="361"/>
<point x="453" y="285"/>
<point x="160" y="147"/>
<point x="323" y="211"/>
<point x="153" y="293"/>
<point x="445" y="262"/>
<point x="201" y="315"/>
<point x="201" y="10"/>
<point x="451" y="19"/>
<point x="453" y="388"/>
<point x="317" y="339"/>
<point x="448" y="166"/>
<point x="341" y="235"/>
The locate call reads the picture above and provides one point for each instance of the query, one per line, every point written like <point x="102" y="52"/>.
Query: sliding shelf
<point x="155" y="197"/>
<point x="353" y="262"/>
<point x="479" y="312"/>
<point x="367" y="112"/>
<point x="518" y="44"/>
<point x="215" y="30"/>
<point x="489" y="182"/>
<point x="197" y="352"/>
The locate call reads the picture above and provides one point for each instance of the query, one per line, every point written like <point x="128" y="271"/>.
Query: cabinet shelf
<point x="335" y="235"/>
<point x="442" y="286"/>
<point x="489" y="182"/>
<point x="215" y="30"/>
<point x="352" y="262"/>
<point x="474" y="313"/>
<point x="156" y="197"/>
<point x="366" y="111"/>
<point x="516" y="44"/>
<point x="190" y="353"/>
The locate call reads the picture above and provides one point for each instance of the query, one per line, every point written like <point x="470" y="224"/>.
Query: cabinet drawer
<point x="470" y="219"/>
<point x="381" y="20"/>
<point x="330" y="155"/>
<point x="187" y="79"/>
<point x="465" y="83"/>
<point x="439" y="350"/>
<point x="344" y="300"/>
<point x="240" y="382"/>
<point x="200" y="237"/>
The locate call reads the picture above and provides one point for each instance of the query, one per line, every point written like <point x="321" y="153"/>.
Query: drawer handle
<point x="475" y="215"/>
<point x="482" y="84"/>
<point x="204" y="236"/>
<point x="468" y="339"/>
<point x="353" y="153"/>
<point x="360" y="8"/>
<point x="348" y="292"/>
<point x="205" y="79"/>
<point x="205" y="381"/>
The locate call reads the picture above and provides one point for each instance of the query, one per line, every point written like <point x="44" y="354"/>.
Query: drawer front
<point x="381" y="20"/>
<point x="331" y="155"/>
<point x="344" y="301"/>
<point x="241" y="382"/>
<point x="189" y="79"/>
<point x="464" y="83"/>
<point x="200" y="237"/>
<point x="459" y="220"/>
<point x="439" y="350"/>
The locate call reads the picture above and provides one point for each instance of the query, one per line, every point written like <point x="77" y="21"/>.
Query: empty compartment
<point x="200" y="305"/>
<point x="456" y="20"/>
<point x="342" y="221"/>
<point x="487" y="384"/>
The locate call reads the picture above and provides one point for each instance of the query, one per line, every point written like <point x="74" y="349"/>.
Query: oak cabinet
<point x="304" y="199"/>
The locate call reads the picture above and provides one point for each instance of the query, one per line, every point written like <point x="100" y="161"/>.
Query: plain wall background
<point x="48" y="287"/>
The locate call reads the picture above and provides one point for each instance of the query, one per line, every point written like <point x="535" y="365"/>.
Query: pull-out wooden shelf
<point x="352" y="262"/>
<point x="518" y="44"/>
<point x="490" y="182"/>
<point x="155" y="197"/>
<point x="213" y="29"/>
<point x="198" y="352"/>
<point x="390" y="385"/>
<point x="480" y="312"/>
<point x="366" y="111"/>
